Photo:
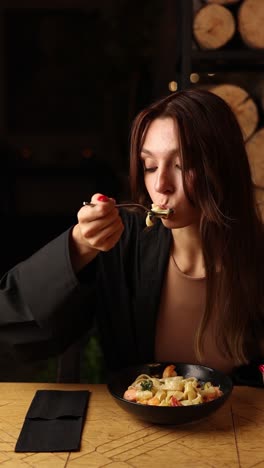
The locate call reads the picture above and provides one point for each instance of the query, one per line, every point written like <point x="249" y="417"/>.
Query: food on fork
<point x="149" y="219"/>
<point x="157" y="212"/>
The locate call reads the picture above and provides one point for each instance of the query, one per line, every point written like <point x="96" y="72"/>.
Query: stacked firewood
<point x="214" y="25"/>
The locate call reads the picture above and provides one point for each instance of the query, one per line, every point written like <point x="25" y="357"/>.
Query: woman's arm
<point x="49" y="300"/>
<point x="43" y="305"/>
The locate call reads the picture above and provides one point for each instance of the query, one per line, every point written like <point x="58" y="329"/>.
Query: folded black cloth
<point x="54" y="421"/>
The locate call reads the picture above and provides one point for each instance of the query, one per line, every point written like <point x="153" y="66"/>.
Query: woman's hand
<point x="99" y="228"/>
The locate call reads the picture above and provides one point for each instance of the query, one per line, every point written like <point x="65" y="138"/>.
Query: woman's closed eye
<point x="149" y="169"/>
<point x="153" y="169"/>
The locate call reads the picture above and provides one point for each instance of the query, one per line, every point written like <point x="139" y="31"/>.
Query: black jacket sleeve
<point x="43" y="305"/>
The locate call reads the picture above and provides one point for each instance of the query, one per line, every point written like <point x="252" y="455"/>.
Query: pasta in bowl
<point x="166" y="393"/>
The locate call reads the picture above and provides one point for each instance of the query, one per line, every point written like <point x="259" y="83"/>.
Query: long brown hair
<point x="212" y="145"/>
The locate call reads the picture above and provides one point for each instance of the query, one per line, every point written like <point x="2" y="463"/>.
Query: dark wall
<point x="73" y="75"/>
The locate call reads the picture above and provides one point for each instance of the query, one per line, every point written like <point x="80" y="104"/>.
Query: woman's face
<point x="163" y="175"/>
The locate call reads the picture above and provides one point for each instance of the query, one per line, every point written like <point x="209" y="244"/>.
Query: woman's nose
<point x="163" y="182"/>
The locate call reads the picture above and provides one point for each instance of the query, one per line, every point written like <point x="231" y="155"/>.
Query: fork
<point x="152" y="213"/>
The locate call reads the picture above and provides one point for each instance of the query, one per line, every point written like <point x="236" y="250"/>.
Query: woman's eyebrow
<point x="145" y="151"/>
<point x="172" y="152"/>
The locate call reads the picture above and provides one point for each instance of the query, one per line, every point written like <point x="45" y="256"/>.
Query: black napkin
<point x="54" y="421"/>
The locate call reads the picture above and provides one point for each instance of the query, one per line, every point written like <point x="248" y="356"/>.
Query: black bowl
<point x="119" y="381"/>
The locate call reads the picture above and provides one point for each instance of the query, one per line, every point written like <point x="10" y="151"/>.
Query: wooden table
<point x="232" y="437"/>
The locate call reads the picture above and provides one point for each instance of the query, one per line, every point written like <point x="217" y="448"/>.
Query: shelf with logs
<point x="228" y="60"/>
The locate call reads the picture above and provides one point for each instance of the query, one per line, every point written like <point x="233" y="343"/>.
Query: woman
<point x="188" y="289"/>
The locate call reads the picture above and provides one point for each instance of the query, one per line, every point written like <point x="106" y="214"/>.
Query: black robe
<point x="45" y="307"/>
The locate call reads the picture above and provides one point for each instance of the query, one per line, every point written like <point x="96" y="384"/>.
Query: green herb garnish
<point x="146" y="384"/>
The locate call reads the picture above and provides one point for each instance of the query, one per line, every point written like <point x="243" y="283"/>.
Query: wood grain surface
<point x="232" y="437"/>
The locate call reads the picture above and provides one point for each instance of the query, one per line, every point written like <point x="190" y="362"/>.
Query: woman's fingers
<point x="102" y="236"/>
<point x="100" y="225"/>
